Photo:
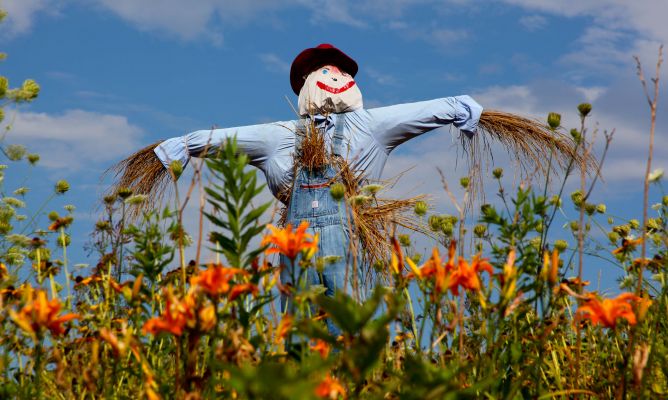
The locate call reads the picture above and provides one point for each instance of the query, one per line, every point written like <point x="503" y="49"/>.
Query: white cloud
<point x="273" y="62"/>
<point x="76" y="139"/>
<point x="533" y="22"/>
<point x="21" y="13"/>
<point x="619" y="107"/>
<point x="381" y="78"/>
<point x="619" y="28"/>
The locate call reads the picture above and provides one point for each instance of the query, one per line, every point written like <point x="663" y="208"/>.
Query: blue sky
<point x="119" y="74"/>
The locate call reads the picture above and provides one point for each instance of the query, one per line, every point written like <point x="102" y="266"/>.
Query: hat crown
<point x="310" y="59"/>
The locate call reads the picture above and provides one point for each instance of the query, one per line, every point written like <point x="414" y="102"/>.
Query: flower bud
<point x="497" y="173"/>
<point x="464" y="182"/>
<point x="124" y="192"/>
<point x="622" y="230"/>
<point x="664" y="200"/>
<point x="555" y="200"/>
<point x="480" y="230"/>
<point x="590" y="209"/>
<point x="62" y="186"/>
<point x="577" y="198"/>
<point x="15" y="152"/>
<point x="576" y="135"/>
<point x="654" y="224"/>
<point x="584" y="108"/>
<point x="434" y="223"/>
<point x="634" y="224"/>
<point x="553" y="120"/>
<point x="359" y="200"/>
<point x="575" y="226"/>
<point x="535" y="242"/>
<point x="560" y="245"/>
<point x="337" y="191"/>
<point x="53" y="215"/>
<point x="63" y="240"/>
<point x="405" y="240"/>
<point x="371" y="190"/>
<point x="449" y="218"/>
<point x="447" y="228"/>
<point x="136" y="199"/>
<point x="29" y="90"/>
<point x="4" y="85"/>
<point x="109" y="199"/>
<point x="177" y="168"/>
<point x="421" y="208"/>
<point x="33" y="158"/>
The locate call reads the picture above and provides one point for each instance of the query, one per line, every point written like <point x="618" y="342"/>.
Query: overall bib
<point x="311" y="201"/>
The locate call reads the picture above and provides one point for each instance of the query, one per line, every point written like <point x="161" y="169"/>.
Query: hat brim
<point x="311" y="59"/>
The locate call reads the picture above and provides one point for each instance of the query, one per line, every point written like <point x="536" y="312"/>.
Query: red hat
<point x="310" y="59"/>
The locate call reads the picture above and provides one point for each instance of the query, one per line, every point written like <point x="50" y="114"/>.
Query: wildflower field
<point x="497" y="310"/>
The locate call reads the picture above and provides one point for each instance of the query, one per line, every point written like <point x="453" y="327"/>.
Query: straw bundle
<point x="143" y="173"/>
<point x="311" y="153"/>
<point x="373" y="220"/>
<point x="537" y="149"/>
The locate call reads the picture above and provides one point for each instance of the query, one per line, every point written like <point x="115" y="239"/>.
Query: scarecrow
<point x="334" y="140"/>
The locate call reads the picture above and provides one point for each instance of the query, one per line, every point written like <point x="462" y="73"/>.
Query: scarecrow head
<point x="322" y="77"/>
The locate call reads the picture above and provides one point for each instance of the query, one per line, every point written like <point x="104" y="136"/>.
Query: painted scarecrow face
<point x="329" y="90"/>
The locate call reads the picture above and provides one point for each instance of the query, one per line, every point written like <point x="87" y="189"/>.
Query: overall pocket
<point x="311" y="197"/>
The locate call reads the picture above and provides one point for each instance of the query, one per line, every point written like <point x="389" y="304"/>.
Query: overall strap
<point x="299" y="134"/>
<point x="337" y="140"/>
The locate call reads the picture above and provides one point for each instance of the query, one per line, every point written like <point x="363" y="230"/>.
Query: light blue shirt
<point x="369" y="137"/>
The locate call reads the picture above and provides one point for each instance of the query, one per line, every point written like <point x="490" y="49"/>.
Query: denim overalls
<point x="311" y="201"/>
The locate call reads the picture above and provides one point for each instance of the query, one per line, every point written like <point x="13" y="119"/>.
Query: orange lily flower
<point x="321" y="347"/>
<point x="215" y="280"/>
<point x="509" y="276"/>
<point x="606" y="312"/>
<point x="283" y="328"/>
<point x="87" y="281"/>
<point x="330" y="388"/>
<point x="41" y="313"/>
<point x="207" y="317"/>
<point x="177" y="315"/>
<point x="550" y="270"/>
<point x="397" y="257"/>
<point x="467" y="275"/>
<point x="3" y="271"/>
<point x="242" y="288"/>
<point x="628" y="245"/>
<point x="435" y="267"/>
<point x="291" y="243"/>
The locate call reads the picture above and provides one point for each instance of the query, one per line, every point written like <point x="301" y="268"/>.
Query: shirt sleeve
<point x="396" y="124"/>
<point x="258" y="141"/>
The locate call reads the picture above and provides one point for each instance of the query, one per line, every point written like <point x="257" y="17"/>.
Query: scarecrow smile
<point x="334" y="90"/>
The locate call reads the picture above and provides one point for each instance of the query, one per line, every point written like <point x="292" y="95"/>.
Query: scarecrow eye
<point x="325" y="71"/>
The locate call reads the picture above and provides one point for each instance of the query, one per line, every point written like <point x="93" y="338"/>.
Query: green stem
<point x="67" y="275"/>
